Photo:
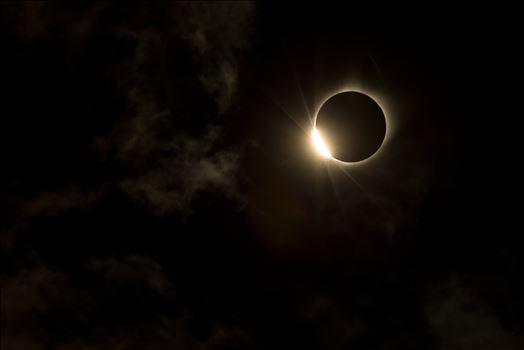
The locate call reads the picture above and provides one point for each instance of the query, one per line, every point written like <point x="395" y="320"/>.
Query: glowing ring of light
<point x="318" y="141"/>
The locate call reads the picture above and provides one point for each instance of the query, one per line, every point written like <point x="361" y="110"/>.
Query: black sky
<point x="159" y="189"/>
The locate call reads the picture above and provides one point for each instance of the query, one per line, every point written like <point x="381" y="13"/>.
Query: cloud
<point x="165" y="333"/>
<point x="53" y="203"/>
<point x="133" y="308"/>
<point x="331" y="324"/>
<point x="27" y="299"/>
<point x="132" y="270"/>
<point x="170" y="138"/>
<point x="186" y="168"/>
<point x="41" y="20"/>
<point x="22" y="212"/>
<point x="177" y="80"/>
<point x="218" y="33"/>
<point x="460" y="319"/>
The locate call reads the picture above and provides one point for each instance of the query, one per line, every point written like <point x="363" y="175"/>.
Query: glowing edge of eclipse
<point x="319" y="144"/>
<point x="375" y="97"/>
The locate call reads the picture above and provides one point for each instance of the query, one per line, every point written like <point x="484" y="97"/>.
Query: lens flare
<point x="319" y="144"/>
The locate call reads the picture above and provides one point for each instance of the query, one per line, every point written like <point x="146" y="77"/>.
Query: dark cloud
<point x="173" y="166"/>
<point x="176" y="70"/>
<point x="42" y="307"/>
<point x="217" y="34"/>
<point x="167" y="192"/>
<point x="178" y="81"/>
<point x="333" y="326"/>
<point x="40" y="20"/>
<point x="132" y="271"/>
<point x="29" y="298"/>
<point x="460" y="318"/>
<point x="20" y="213"/>
<point x="164" y="333"/>
<point x="55" y="203"/>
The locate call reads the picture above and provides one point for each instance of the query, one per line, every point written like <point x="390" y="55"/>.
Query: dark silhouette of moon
<point x="352" y="125"/>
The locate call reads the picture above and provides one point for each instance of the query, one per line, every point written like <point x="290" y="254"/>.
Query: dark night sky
<point x="159" y="190"/>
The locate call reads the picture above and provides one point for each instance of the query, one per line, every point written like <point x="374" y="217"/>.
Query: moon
<point x="349" y="127"/>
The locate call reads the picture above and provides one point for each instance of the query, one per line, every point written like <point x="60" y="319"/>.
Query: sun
<point x="319" y="144"/>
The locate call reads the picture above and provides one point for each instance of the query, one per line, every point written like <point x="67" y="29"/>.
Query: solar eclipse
<point x="349" y="127"/>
